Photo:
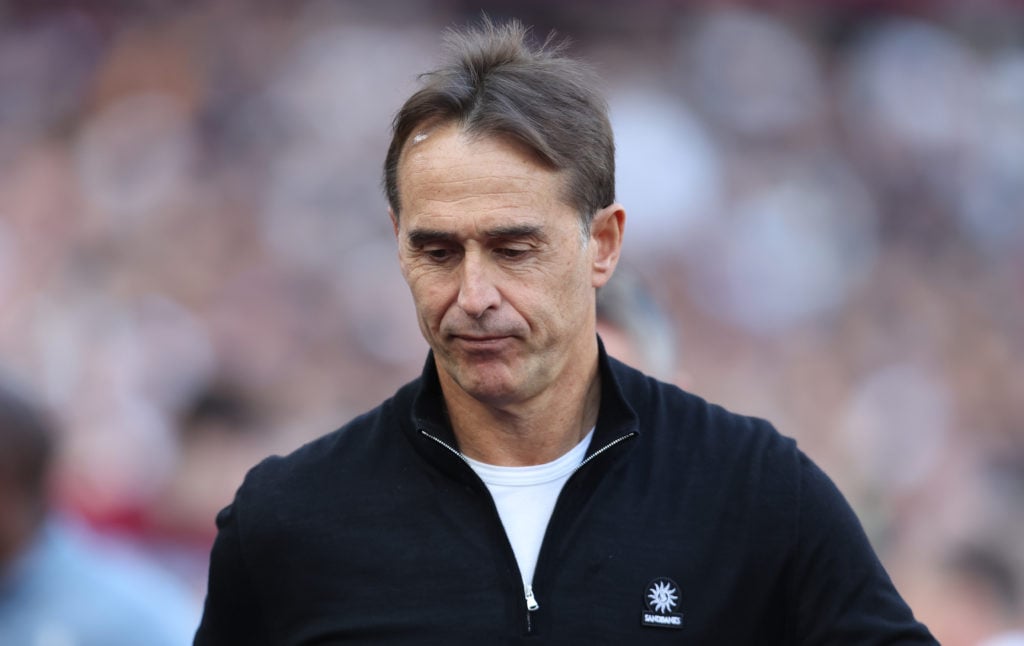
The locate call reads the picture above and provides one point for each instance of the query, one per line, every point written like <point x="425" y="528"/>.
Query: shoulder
<point x="676" y="416"/>
<point x="721" y="459"/>
<point x="307" y="465"/>
<point x="338" y="461"/>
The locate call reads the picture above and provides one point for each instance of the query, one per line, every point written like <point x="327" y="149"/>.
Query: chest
<point x="435" y="562"/>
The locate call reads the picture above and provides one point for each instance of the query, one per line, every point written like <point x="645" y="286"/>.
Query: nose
<point x="477" y="290"/>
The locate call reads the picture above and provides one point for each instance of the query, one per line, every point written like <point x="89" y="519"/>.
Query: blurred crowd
<point x="824" y="215"/>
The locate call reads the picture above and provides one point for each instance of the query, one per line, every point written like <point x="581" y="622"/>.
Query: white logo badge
<point x="660" y="598"/>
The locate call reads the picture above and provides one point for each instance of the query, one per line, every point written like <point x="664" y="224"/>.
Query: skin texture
<point x="504" y="287"/>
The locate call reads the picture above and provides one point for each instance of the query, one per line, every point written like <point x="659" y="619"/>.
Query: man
<point x="527" y="487"/>
<point x="58" y="585"/>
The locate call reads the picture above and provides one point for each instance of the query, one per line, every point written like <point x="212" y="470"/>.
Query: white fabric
<point x="525" y="498"/>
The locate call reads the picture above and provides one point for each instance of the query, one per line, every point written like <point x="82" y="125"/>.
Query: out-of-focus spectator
<point x="59" y="584"/>
<point x="974" y="595"/>
<point x="636" y="328"/>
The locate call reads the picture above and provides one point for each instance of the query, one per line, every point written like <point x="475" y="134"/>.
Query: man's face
<point x="502" y="279"/>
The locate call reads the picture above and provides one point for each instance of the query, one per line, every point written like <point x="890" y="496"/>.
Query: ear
<point x="401" y="257"/>
<point x="606" y="242"/>
<point x="394" y="220"/>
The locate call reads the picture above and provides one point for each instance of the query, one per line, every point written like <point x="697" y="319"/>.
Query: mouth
<point x="481" y="342"/>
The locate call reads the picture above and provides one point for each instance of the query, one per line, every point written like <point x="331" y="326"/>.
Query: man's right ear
<point x="394" y="220"/>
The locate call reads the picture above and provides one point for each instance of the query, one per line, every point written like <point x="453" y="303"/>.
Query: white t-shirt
<point x="525" y="497"/>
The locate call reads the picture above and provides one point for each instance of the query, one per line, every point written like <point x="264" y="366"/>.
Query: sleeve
<point x="231" y="614"/>
<point x="842" y="594"/>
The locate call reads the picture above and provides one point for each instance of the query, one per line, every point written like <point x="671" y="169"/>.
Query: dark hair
<point x="499" y="84"/>
<point x="27" y="440"/>
<point x="990" y="567"/>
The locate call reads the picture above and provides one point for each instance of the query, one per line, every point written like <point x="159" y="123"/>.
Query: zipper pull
<point x="531" y="601"/>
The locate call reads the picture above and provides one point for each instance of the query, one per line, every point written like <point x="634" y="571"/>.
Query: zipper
<point x="597" y="453"/>
<point x="531" y="600"/>
<point x="606" y="447"/>
<point x="531" y="606"/>
<point x="446" y="445"/>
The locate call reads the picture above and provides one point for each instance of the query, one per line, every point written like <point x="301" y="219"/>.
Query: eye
<point x="511" y="253"/>
<point x="438" y="254"/>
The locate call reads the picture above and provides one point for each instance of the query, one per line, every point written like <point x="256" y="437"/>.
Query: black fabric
<point x="378" y="533"/>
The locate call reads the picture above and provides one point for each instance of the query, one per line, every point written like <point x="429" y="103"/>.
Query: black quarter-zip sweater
<point x="686" y="524"/>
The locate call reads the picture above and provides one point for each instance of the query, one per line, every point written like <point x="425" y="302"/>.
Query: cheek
<point x="544" y="309"/>
<point x="552" y="294"/>
<point x="573" y="285"/>
<point x="431" y="296"/>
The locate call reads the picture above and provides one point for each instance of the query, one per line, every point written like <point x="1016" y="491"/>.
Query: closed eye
<point x="438" y="254"/>
<point x="510" y="253"/>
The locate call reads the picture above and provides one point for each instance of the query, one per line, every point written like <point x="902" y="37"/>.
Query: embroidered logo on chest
<point x="661" y="597"/>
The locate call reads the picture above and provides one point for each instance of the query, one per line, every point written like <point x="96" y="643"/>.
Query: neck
<point x="531" y="432"/>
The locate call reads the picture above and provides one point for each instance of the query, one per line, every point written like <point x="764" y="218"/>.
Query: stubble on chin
<point x="489" y="379"/>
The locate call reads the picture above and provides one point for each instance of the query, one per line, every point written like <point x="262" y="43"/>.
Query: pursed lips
<point x="480" y="339"/>
<point x="481" y="342"/>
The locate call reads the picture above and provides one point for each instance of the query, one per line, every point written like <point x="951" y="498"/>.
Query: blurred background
<point x="825" y="228"/>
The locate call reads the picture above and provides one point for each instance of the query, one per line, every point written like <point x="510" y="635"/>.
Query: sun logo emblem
<point x="662" y="596"/>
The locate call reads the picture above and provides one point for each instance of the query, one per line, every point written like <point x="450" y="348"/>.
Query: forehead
<point x="446" y="165"/>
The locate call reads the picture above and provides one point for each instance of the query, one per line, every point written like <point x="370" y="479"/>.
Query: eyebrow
<point x="514" y="232"/>
<point x="421" y="237"/>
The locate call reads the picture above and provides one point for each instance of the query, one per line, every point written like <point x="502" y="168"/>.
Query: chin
<point x="490" y="391"/>
<point x="489" y="386"/>
<point x="491" y="380"/>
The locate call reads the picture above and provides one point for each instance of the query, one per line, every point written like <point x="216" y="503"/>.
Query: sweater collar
<point x="615" y="419"/>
